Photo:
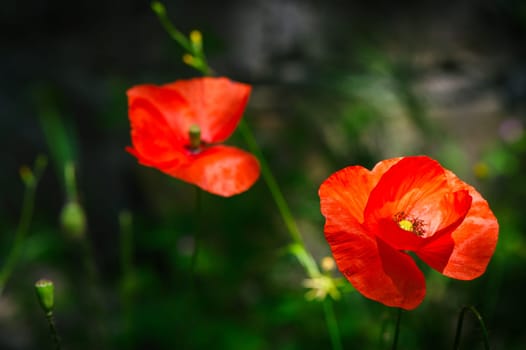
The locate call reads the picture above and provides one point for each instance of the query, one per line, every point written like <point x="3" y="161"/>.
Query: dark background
<point x="335" y="83"/>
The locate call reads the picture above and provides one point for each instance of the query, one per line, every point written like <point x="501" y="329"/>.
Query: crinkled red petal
<point x="389" y="231"/>
<point x="344" y="194"/>
<point x="376" y="270"/>
<point x="217" y="104"/>
<point x="171" y="109"/>
<point x="475" y="238"/>
<point x="221" y="170"/>
<point x="413" y="186"/>
<point x="408" y="282"/>
<point x="154" y="142"/>
<point x="437" y="249"/>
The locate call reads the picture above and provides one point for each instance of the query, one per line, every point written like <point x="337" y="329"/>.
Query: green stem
<point x="53" y="330"/>
<point x="94" y="291"/>
<point x="126" y="243"/>
<point x="477" y="315"/>
<point x="180" y="38"/>
<point x="126" y="255"/>
<point x="28" y="204"/>
<point x="176" y="35"/>
<point x="397" y="328"/>
<point x="70" y="182"/>
<point x="192" y="321"/>
<point x="197" y="214"/>
<point x="298" y="248"/>
<point x="332" y="324"/>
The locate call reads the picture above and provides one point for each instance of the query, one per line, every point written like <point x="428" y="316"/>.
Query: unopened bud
<point x="328" y="264"/>
<point x="158" y="8"/>
<point x="188" y="59"/>
<point x="73" y="219"/>
<point x="196" y="38"/>
<point x="193" y="61"/>
<point x="27" y="175"/>
<point x="45" y="295"/>
<point x="481" y="170"/>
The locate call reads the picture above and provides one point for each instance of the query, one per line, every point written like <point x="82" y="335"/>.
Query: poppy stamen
<point x="408" y="223"/>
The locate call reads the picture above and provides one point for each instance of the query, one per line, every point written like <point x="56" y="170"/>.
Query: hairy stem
<point x="31" y="179"/>
<point x="397" y="329"/>
<point x="456" y="344"/>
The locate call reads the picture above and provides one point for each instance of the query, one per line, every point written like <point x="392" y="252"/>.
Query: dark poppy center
<point x="409" y="223"/>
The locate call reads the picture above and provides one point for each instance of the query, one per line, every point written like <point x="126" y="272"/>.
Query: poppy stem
<point x="70" y="181"/>
<point x="193" y="45"/>
<point x="298" y="248"/>
<point x="53" y="330"/>
<point x="332" y="324"/>
<point x="397" y="328"/>
<point x="160" y="11"/>
<point x="30" y="179"/>
<point x="192" y="290"/>
<point x="195" y="252"/>
<point x="456" y="344"/>
<point x="128" y="283"/>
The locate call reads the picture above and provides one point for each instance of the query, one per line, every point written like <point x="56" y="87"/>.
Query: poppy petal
<point x="455" y="206"/>
<point x="344" y="194"/>
<point x="376" y="270"/>
<point x="218" y="104"/>
<point x="221" y="170"/>
<point x="414" y="186"/>
<point x="408" y="282"/>
<point x="154" y="142"/>
<point x="171" y="106"/>
<point x="475" y="238"/>
<point x="436" y="250"/>
<point x="399" y="239"/>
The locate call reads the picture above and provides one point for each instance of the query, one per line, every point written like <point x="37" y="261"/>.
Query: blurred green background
<point x="335" y="83"/>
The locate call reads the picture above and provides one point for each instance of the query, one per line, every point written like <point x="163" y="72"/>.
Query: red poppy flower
<point x="412" y="204"/>
<point x="176" y="128"/>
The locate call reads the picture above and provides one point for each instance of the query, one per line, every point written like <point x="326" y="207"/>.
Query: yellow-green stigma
<point x="195" y="137"/>
<point x="410" y="224"/>
<point x="406" y="225"/>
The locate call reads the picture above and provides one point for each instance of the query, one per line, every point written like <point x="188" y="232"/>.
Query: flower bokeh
<point x="177" y="128"/>
<point x="411" y="204"/>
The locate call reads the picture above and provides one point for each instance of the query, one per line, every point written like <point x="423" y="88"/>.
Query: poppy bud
<point x="188" y="59"/>
<point x="196" y="38"/>
<point x="193" y="61"/>
<point x="328" y="264"/>
<point x="27" y="175"/>
<point x="481" y="170"/>
<point x="158" y="8"/>
<point x="45" y="295"/>
<point x="73" y="219"/>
